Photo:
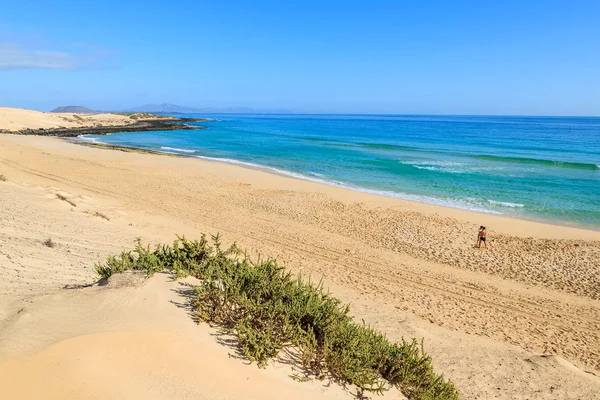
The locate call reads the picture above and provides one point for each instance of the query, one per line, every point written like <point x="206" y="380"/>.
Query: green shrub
<point x="100" y="215"/>
<point x="269" y="310"/>
<point x="64" y="198"/>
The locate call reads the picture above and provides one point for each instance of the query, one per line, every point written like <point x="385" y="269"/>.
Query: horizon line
<point x="266" y="112"/>
<point x="383" y="114"/>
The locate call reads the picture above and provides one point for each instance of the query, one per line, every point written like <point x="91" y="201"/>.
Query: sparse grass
<point x="140" y="115"/>
<point x="3" y="178"/>
<point x="63" y="198"/>
<point x="145" y="115"/>
<point x="49" y="243"/>
<point x="100" y="215"/>
<point x="269" y="310"/>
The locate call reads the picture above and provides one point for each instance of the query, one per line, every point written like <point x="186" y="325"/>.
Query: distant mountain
<point x="175" y="109"/>
<point x="73" y="109"/>
<point x="164" y="108"/>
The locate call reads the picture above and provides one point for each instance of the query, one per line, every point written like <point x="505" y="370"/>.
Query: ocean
<point x="541" y="168"/>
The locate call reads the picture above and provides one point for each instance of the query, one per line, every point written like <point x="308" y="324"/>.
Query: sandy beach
<point x="518" y="320"/>
<point x="15" y="119"/>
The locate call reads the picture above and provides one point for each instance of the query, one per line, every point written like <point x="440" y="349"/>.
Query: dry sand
<point x="134" y="339"/>
<point x="518" y="320"/>
<point x="15" y="119"/>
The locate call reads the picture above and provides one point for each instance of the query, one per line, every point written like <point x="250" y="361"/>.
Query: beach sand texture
<point x="518" y="320"/>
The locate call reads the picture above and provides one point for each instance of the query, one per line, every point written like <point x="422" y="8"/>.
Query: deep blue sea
<point x="545" y="168"/>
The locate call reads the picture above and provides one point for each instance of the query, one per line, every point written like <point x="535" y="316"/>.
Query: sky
<point x="391" y="57"/>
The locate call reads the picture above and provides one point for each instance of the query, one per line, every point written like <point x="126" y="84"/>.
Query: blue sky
<point x="423" y="57"/>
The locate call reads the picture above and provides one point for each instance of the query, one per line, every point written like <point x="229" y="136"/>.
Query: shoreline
<point x="341" y="185"/>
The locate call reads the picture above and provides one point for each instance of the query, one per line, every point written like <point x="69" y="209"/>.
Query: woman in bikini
<point x="481" y="237"/>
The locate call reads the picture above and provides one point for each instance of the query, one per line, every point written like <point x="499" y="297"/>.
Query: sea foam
<point x="175" y="149"/>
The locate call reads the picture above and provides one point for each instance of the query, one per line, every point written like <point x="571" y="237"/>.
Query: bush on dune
<point x="64" y="198"/>
<point x="269" y="310"/>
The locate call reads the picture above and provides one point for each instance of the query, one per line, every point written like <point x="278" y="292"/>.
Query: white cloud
<point x="15" y="56"/>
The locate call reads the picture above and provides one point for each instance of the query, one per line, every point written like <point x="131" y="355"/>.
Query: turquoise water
<point x="530" y="167"/>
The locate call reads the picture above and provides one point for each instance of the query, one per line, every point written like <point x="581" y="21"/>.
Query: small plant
<point x="49" y="243"/>
<point x="63" y="198"/>
<point x="100" y="215"/>
<point x="269" y="310"/>
<point x="3" y="178"/>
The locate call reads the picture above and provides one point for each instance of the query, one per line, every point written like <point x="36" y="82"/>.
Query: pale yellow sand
<point x="14" y="119"/>
<point x="487" y="316"/>
<point x="134" y="340"/>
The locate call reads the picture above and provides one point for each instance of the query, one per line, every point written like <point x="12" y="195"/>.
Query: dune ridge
<point x="15" y="119"/>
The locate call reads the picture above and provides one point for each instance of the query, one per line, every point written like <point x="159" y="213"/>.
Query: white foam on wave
<point x="175" y="149"/>
<point x="506" y="204"/>
<point x="441" y="169"/>
<point x="439" y="166"/>
<point x="87" y="138"/>
<point x="434" y="163"/>
<point x="451" y="167"/>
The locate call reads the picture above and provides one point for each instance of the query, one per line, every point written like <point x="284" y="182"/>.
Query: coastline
<point x="406" y="268"/>
<point x="144" y="125"/>
<point x="20" y="121"/>
<point x="293" y="175"/>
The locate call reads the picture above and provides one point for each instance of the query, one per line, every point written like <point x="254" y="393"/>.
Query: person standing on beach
<point x="481" y="237"/>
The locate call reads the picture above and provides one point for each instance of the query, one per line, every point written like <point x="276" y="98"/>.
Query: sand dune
<point x="519" y="320"/>
<point x="14" y="119"/>
<point x="133" y="339"/>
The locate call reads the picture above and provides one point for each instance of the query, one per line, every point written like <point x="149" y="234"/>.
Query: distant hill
<point x="164" y="108"/>
<point x="73" y="109"/>
<point x="175" y="109"/>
